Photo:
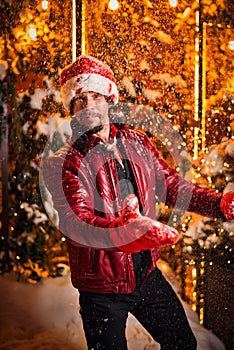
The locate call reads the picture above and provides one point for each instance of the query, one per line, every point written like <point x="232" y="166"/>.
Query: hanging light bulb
<point x="173" y="3"/>
<point x="44" y="5"/>
<point x="113" y="5"/>
<point x="231" y="45"/>
<point x="32" y="32"/>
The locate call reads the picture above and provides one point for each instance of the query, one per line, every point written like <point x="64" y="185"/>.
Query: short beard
<point x="94" y="130"/>
<point x="79" y="130"/>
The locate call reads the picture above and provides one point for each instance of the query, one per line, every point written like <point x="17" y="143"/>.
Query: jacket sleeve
<point x="74" y="204"/>
<point x="172" y="189"/>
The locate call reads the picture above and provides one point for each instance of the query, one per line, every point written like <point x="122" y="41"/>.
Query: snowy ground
<point x="46" y="316"/>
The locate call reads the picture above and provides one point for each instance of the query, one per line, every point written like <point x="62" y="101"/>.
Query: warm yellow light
<point x="194" y="273"/>
<point x="83" y="28"/>
<point x="74" y="30"/>
<point x="173" y="3"/>
<point x="44" y="5"/>
<point x="196" y="89"/>
<point x="113" y="5"/>
<point x="231" y="45"/>
<point x="32" y="31"/>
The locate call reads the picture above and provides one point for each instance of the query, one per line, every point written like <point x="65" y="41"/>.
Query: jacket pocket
<point x="82" y="261"/>
<point x="88" y="261"/>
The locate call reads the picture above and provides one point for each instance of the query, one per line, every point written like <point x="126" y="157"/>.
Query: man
<point x="104" y="182"/>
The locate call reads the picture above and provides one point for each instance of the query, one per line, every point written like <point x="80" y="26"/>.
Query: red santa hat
<point x="84" y="75"/>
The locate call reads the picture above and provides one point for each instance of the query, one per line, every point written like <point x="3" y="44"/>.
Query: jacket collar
<point x="85" y="141"/>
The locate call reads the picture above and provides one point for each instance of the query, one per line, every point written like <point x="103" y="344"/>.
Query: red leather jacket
<point x="82" y="179"/>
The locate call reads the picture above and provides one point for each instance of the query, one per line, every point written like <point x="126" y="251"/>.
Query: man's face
<point x="91" y="110"/>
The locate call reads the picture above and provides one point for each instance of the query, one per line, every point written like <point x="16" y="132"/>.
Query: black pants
<point x="156" y="306"/>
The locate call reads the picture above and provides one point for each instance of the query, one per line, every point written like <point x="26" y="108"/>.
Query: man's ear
<point x="109" y="101"/>
<point x="72" y="105"/>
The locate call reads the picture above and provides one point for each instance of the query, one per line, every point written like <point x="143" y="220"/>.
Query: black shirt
<point x="141" y="260"/>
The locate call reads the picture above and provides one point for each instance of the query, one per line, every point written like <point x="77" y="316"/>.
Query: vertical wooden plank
<point x="3" y="158"/>
<point x="219" y="306"/>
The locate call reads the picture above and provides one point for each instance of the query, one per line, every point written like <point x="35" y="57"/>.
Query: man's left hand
<point x="227" y="205"/>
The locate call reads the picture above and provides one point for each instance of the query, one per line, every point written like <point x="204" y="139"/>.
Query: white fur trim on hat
<point x="87" y="83"/>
